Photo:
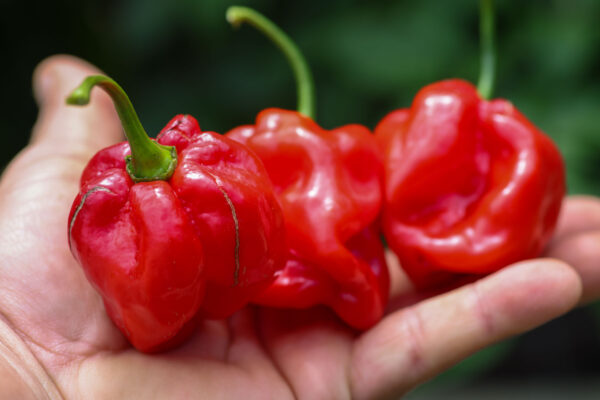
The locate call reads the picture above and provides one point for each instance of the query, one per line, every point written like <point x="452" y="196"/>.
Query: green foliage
<point x="368" y="58"/>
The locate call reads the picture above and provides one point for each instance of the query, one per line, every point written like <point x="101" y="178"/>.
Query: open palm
<point x="58" y="341"/>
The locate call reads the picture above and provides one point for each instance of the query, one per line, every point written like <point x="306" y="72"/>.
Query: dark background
<point x="368" y="57"/>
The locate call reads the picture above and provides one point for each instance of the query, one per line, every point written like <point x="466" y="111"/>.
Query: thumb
<point x="76" y="131"/>
<point x="64" y="137"/>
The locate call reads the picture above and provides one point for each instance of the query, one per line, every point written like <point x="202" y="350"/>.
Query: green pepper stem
<point x="304" y="81"/>
<point x="149" y="161"/>
<point x="487" y="73"/>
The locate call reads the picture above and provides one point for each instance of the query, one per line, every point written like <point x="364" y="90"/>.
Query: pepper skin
<point x="470" y="185"/>
<point x="329" y="186"/>
<point x="164" y="253"/>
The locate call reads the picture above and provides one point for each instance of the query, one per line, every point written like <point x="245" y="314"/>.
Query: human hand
<point x="56" y="340"/>
<point x="577" y="242"/>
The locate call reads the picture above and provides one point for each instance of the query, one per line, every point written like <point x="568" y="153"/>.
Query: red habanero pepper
<point x="329" y="186"/>
<point x="470" y="185"/>
<point x="172" y="230"/>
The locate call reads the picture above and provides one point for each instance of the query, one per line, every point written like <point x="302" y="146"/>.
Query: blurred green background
<point x="368" y="57"/>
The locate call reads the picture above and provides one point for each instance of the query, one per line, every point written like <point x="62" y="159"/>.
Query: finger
<point x="403" y="293"/>
<point x="64" y="137"/>
<point x="413" y="344"/>
<point x="400" y="284"/>
<point x="311" y="349"/>
<point x="582" y="251"/>
<point x="578" y="214"/>
<point x="78" y="130"/>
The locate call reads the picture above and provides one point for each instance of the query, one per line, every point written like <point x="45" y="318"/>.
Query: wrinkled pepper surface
<point x="185" y="227"/>
<point x="329" y="185"/>
<point x="470" y="185"/>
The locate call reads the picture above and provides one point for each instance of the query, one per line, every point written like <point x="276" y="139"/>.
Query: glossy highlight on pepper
<point x="470" y="185"/>
<point x="166" y="249"/>
<point x="329" y="185"/>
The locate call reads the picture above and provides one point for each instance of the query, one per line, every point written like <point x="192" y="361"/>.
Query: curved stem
<point x="304" y="81"/>
<point x="149" y="161"/>
<point x="487" y="73"/>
